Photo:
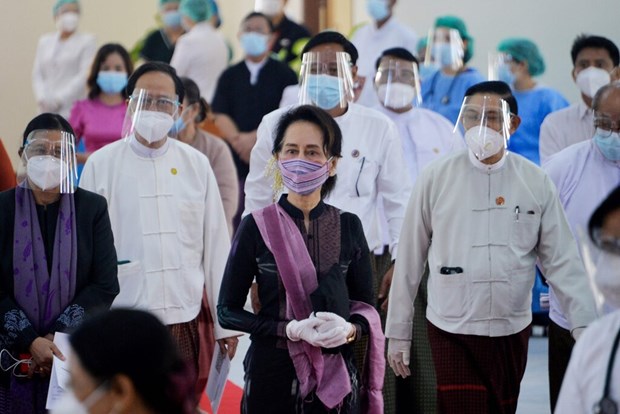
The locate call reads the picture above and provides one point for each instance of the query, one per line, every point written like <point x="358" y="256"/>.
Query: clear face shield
<point x="445" y="49"/>
<point x="397" y="83"/>
<point x="326" y="80"/>
<point x="150" y="116"/>
<point x="498" y="67"/>
<point x="48" y="162"/>
<point x="486" y="121"/>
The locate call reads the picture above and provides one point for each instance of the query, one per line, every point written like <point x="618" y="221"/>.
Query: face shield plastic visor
<point x="445" y="49"/>
<point x="150" y="116"/>
<point x="498" y="67"/>
<point x="486" y="123"/>
<point x="397" y="83"/>
<point x="326" y="80"/>
<point x="48" y="162"/>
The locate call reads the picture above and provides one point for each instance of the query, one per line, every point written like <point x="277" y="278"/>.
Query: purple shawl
<point x="327" y="373"/>
<point x="43" y="297"/>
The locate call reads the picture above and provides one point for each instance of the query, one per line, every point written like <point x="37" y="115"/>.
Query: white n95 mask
<point x="268" y="7"/>
<point x="396" y="95"/>
<point x="153" y="126"/>
<point x="46" y="171"/>
<point x="484" y="142"/>
<point x="592" y="79"/>
<point x="67" y="22"/>
<point x="607" y="278"/>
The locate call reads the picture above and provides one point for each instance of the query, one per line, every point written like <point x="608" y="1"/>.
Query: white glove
<point x="304" y="329"/>
<point x="576" y="333"/>
<point x="398" y="356"/>
<point x="333" y="331"/>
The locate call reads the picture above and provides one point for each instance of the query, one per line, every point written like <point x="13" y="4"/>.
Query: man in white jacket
<point x="169" y="226"/>
<point x="477" y="222"/>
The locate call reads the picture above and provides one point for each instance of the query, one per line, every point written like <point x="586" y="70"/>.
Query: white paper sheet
<point x="218" y="374"/>
<point x="59" y="377"/>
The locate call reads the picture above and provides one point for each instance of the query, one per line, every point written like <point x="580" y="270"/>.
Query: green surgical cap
<point x="453" y="22"/>
<point x="60" y="3"/>
<point x="162" y="2"/>
<point x="422" y="43"/>
<point x="197" y="10"/>
<point x="524" y="50"/>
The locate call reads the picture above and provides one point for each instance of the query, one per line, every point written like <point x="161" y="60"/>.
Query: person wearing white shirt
<point x="62" y="62"/>
<point x="477" y="221"/>
<point x="169" y="226"/>
<point x="425" y="136"/>
<point x="584" y="174"/>
<point x="372" y="39"/>
<point x="594" y="58"/>
<point x="201" y="53"/>
<point x="593" y="373"/>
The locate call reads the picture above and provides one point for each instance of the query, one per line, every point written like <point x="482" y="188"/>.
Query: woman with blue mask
<point x="450" y="47"/>
<point x="98" y="120"/>
<point x="523" y="62"/>
<point x="159" y="44"/>
<point x="187" y="129"/>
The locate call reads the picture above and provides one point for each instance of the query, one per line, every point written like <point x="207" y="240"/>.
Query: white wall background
<point x="552" y="24"/>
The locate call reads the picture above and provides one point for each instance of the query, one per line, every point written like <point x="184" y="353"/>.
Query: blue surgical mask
<point x="178" y="126"/>
<point x="254" y="44"/>
<point x="324" y="90"/>
<point x="112" y="81"/>
<point x="442" y="53"/>
<point x="171" y="18"/>
<point x="609" y="146"/>
<point x="377" y="9"/>
<point x="505" y="74"/>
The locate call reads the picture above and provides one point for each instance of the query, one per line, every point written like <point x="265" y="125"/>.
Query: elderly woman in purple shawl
<point x="58" y="262"/>
<point x="312" y="268"/>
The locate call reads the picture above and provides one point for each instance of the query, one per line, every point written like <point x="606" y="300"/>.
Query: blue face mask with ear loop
<point x="111" y="81"/>
<point x="180" y="124"/>
<point x="442" y="52"/>
<point x="609" y="146"/>
<point x="377" y="9"/>
<point x="324" y="90"/>
<point x="505" y="74"/>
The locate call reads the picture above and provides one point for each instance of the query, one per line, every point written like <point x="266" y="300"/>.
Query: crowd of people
<point x="372" y="211"/>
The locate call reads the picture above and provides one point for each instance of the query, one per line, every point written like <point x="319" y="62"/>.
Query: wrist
<point x="352" y="334"/>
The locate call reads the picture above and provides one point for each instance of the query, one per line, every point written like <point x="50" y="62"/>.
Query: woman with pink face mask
<point x="62" y="61"/>
<point x="312" y="267"/>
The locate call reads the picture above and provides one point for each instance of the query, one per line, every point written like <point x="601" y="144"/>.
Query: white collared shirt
<point x="168" y="223"/>
<point x="201" y="55"/>
<point x="254" y="69"/>
<point x="370" y="42"/>
<point x="371" y="166"/>
<point x="565" y="127"/>
<point x="60" y="70"/>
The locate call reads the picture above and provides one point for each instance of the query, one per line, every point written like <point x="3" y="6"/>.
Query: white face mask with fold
<point x="46" y="171"/>
<point x="484" y="142"/>
<point x="396" y="95"/>
<point x="69" y="404"/>
<point x="153" y="126"/>
<point x="67" y="22"/>
<point x="591" y="79"/>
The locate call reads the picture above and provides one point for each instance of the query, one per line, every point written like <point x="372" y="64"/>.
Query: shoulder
<point x="7" y="198"/>
<point x="360" y="32"/>
<point x="373" y="115"/>
<point x="108" y="152"/>
<point x="279" y="67"/>
<point x="405" y="31"/>
<point x="559" y="115"/>
<point x="568" y="155"/>
<point x="88" y="200"/>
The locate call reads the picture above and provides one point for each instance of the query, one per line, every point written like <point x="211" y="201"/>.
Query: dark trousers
<point x="560" y="348"/>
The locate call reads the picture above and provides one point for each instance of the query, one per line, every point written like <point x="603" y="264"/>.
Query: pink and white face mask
<point x="303" y="177"/>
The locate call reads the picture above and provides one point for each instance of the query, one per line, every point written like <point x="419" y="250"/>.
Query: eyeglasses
<point x="160" y="104"/>
<point x="41" y="147"/>
<point x="606" y="126"/>
<point x="604" y="242"/>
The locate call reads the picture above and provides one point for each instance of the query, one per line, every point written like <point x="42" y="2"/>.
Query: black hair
<point x="396" y="52"/>
<point x="602" y="92"/>
<point x="609" y="205"/>
<point x="192" y="95"/>
<point x="47" y="121"/>
<point x="584" y="41"/>
<point x="102" y="54"/>
<point x="498" y="88"/>
<point x="332" y="136"/>
<point x="136" y="344"/>
<point x="156" y="67"/>
<point x="332" y="37"/>
<point x="258" y="14"/>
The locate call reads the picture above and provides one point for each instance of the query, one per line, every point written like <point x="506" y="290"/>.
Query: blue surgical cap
<point x="524" y="50"/>
<point x="197" y="10"/>
<point x="453" y="22"/>
<point x="60" y="3"/>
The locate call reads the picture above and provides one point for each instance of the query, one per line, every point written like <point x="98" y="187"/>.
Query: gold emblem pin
<point x="500" y="201"/>
<point x="173" y="171"/>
